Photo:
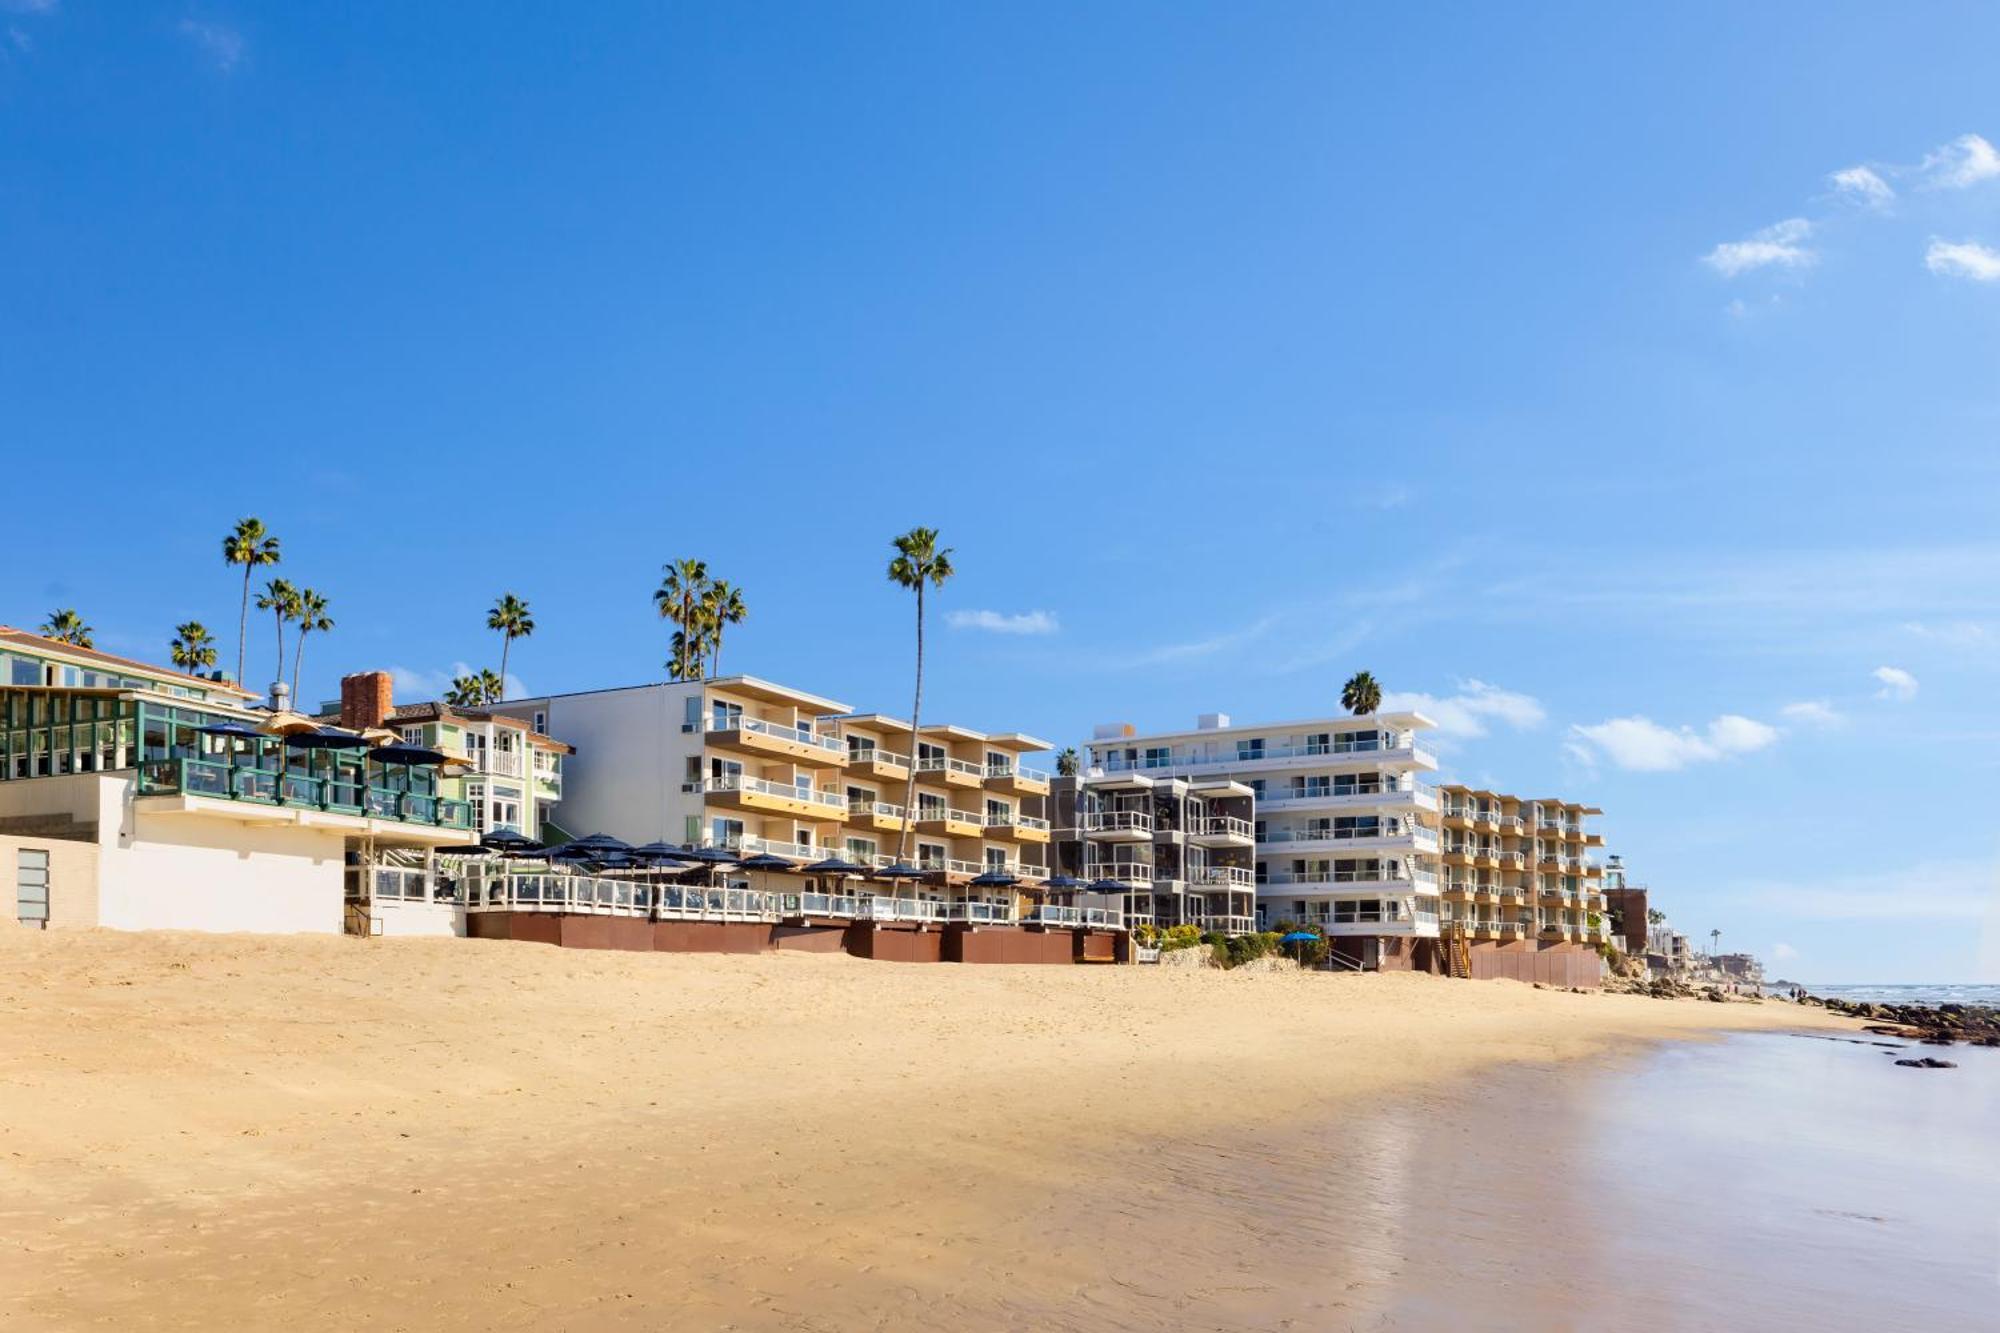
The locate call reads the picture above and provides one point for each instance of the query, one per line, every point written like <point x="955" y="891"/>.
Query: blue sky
<point x="1557" y="366"/>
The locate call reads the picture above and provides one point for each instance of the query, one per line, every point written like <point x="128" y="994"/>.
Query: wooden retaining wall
<point x="1563" y="964"/>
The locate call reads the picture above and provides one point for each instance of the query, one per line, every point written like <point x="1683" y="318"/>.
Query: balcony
<point x="938" y="819"/>
<point x="1249" y="759"/>
<point x="877" y="816"/>
<point x="1089" y="918"/>
<point x="1360" y="795"/>
<point x="1138" y="874"/>
<point x="1224" y="831"/>
<point x="208" y="786"/>
<point x="1354" y="880"/>
<point x="1224" y="877"/>
<point x="1014" y="824"/>
<point x="1015" y="780"/>
<point x="1389" y="836"/>
<point x="953" y="772"/>
<point x="774" y="740"/>
<point x="1329" y="919"/>
<point x="870" y="761"/>
<point x="1119" y="825"/>
<point x="737" y="792"/>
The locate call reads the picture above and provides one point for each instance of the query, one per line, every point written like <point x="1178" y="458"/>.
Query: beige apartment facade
<point x="1520" y="877"/>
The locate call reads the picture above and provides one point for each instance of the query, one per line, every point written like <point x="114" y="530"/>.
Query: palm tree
<point x="249" y="546"/>
<point x="510" y="616"/>
<point x="1067" y="763"/>
<point x="281" y="599"/>
<point x="474" y="691"/>
<point x="679" y="599"/>
<point x="313" y="619"/>
<point x="66" y="626"/>
<point x="1361" y="694"/>
<point x="193" y="648"/>
<point x="724" y="606"/>
<point x="1714" y="943"/>
<point x="918" y="563"/>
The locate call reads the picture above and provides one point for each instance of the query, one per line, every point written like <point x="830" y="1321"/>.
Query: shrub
<point x="1179" y="937"/>
<point x="1146" y="934"/>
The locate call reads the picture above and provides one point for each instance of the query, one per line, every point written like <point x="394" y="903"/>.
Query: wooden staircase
<point x="1457" y="951"/>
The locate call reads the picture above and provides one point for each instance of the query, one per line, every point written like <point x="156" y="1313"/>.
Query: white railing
<point x="933" y="813"/>
<point x="757" y="846"/>
<point x="881" y="809"/>
<point x="780" y="790"/>
<point x="391" y="884"/>
<point x="1014" y="819"/>
<point x="780" y="731"/>
<point x="1053" y="914"/>
<point x="1229" y="826"/>
<point x="1417" y="883"/>
<point x="870" y="754"/>
<point x="1388" y="832"/>
<point x="936" y="764"/>
<point x="1126" y="872"/>
<point x="1391" y="747"/>
<point x="978" y="913"/>
<point x="1357" y="791"/>
<point x="1016" y="771"/>
<point x="1118" y="821"/>
<point x="1231" y="877"/>
<point x="821" y="904"/>
<point x="884" y="908"/>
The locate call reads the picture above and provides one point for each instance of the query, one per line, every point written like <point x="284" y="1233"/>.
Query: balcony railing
<point x="737" y="782"/>
<point x="209" y="777"/>
<point x="1016" y="771"/>
<point x="870" y="754"/>
<point x="1391" y="748"/>
<point x="1418" y="833"/>
<point x="879" y="809"/>
<point x="780" y="731"/>
<point x="1127" y="872"/>
<point x="937" y="764"/>
<point x="1118" y="821"/>
<point x="1229" y="826"/>
<point x="1331" y="792"/>
<point x="1013" y="819"/>
<point x="1055" y="914"/>
<point x="1415" y="883"/>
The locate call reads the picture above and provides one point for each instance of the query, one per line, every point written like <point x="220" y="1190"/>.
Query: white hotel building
<point x="1345" y="824"/>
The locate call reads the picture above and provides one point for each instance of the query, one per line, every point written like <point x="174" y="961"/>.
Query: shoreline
<point x="763" y="1137"/>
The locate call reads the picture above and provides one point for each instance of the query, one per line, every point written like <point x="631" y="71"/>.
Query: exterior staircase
<point x="1457" y="951"/>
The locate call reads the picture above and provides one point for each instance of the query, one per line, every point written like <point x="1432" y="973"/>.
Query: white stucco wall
<point x="625" y="777"/>
<point x="408" y="918"/>
<point x="189" y="872"/>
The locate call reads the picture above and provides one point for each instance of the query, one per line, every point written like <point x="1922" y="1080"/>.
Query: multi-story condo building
<point x="505" y="769"/>
<point x="1520" y="876"/>
<point x="746" y="764"/>
<point x="1180" y="848"/>
<point x="137" y="797"/>
<point x="1341" y="823"/>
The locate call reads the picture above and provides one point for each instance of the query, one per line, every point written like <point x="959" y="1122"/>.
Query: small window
<point x="541" y="722"/>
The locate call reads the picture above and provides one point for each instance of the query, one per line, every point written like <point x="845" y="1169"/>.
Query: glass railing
<point x="870" y="754"/>
<point x="781" y="731"/>
<point x="209" y="777"/>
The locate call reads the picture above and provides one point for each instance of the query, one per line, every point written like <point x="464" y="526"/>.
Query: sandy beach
<point x="210" y="1131"/>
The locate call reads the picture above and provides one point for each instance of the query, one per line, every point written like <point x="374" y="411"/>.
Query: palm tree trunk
<point x="279" y="617"/>
<point x="916" y="708"/>
<point x="506" y="644"/>
<point x="298" y="657"/>
<point x="715" y="659"/>
<point x="243" y="627"/>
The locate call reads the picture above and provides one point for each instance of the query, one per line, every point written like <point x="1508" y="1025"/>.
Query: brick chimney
<point x="365" y="700"/>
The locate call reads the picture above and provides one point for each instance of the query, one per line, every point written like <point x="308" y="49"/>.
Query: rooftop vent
<point x="1211" y="721"/>
<point x="1111" y="731"/>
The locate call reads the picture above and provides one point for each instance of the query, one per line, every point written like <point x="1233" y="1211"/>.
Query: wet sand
<point x="230" y="1131"/>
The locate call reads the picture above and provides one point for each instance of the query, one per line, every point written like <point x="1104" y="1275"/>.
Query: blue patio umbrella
<point x="995" y="879"/>
<point x="660" y="851"/>
<point x="507" y="838"/>
<point x="236" y="730"/>
<point x="766" y="862"/>
<point x="712" y="856"/>
<point x="833" y="865"/>
<point x="1063" y="882"/>
<point x="900" y="870"/>
<point x="1298" y="937"/>
<point x="604" y="842"/>
<point x="1108" y="886"/>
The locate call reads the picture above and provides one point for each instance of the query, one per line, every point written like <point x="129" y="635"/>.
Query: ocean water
<point x="1764" y="1181"/>
<point x="1912" y="994"/>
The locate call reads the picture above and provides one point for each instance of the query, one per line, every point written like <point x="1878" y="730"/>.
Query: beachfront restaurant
<point x="144" y="811"/>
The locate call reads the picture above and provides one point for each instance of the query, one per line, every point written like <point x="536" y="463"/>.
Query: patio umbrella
<point x="1298" y="937"/>
<point x="660" y="851"/>
<point x="994" y="879"/>
<point x="1107" y="886"/>
<point x="766" y="861"/>
<point x="710" y="856"/>
<point x="506" y="838"/>
<point x="900" y="870"/>
<point x="833" y="865"/>
<point x="606" y="841"/>
<point x="1062" y="882"/>
<point x="326" y="738"/>
<point x="235" y="729"/>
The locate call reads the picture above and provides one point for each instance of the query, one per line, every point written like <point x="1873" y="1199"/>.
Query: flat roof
<point x="754" y="686"/>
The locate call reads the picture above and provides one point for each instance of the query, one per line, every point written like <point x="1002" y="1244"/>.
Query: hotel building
<point x="140" y="798"/>
<point x="1341" y="827"/>
<point x="1520" y="880"/>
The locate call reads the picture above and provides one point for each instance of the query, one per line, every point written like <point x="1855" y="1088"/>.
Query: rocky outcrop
<point x="1933" y="1024"/>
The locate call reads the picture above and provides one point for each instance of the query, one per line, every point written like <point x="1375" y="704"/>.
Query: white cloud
<point x="1963" y="259"/>
<point x="1864" y="186"/>
<point x="1953" y="633"/>
<point x="1783" y="953"/>
<point x="1001" y="622"/>
<point x="221" y="43"/>
<point x="1813" y="712"/>
<point x="1781" y="243"/>
<point x="1966" y="160"/>
<point x="1644" y="746"/>
<point x="1468" y="712"/>
<point x="1897" y="684"/>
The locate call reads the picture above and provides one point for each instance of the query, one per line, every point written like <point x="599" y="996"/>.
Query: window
<point x="996" y="858"/>
<point x="542" y="721"/>
<point x="726" y="832"/>
<point x="999" y="812"/>
<point x="413" y="735"/>
<point x="723" y="716"/>
<point x="929" y="806"/>
<point x="31" y="888"/>
<point x="930" y="855"/>
<point x="1158" y="756"/>
<point x="691" y="717"/>
<point x="1250" y="749"/>
<point x="860" y="747"/>
<point x="861" y="851"/>
<point x="928" y="753"/>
